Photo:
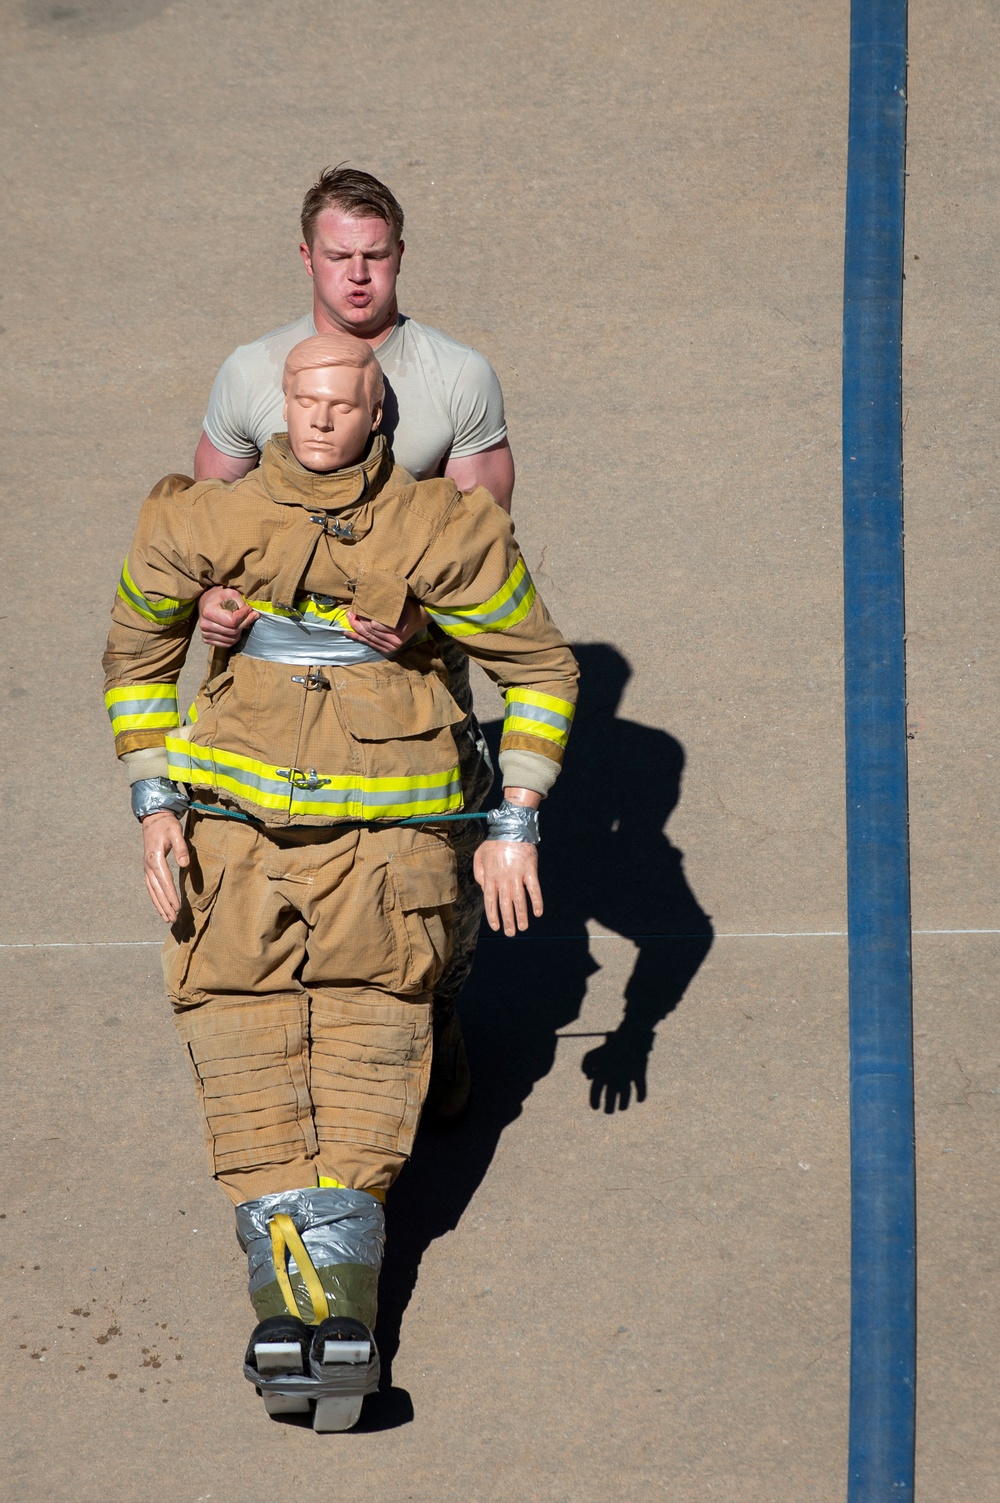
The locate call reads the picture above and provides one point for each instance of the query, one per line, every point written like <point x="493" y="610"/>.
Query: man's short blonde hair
<point x="335" y="349"/>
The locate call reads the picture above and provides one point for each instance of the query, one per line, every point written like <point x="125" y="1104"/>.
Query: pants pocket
<point x="421" y="886"/>
<point x="200" y="883"/>
<point x="251" y="1071"/>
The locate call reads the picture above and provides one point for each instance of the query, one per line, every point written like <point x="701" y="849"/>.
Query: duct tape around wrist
<point x="151" y="795"/>
<point x="513" y="822"/>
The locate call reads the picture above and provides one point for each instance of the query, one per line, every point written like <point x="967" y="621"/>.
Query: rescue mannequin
<point x="313" y="915"/>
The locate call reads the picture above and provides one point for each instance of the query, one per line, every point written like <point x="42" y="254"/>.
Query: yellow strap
<point x="325" y="1183"/>
<point x="284" y="1238"/>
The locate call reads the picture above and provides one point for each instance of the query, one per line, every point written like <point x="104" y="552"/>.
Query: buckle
<point x="310" y="780"/>
<point x="333" y="528"/>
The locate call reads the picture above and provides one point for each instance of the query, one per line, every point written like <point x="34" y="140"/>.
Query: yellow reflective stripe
<point x="268" y="608"/>
<point x="308" y="608"/>
<point x="514" y="725"/>
<point x="300" y="792"/>
<point x="530" y="713"/>
<point x="142" y="707"/>
<point x="284" y="1238"/>
<point x="160" y="612"/>
<point x="192" y="714"/>
<point x="325" y="1183"/>
<point x="505" y="609"/>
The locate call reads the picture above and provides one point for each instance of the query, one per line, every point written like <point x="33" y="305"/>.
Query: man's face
<point x="329" y="417"/>
<point x="354" y="264"/>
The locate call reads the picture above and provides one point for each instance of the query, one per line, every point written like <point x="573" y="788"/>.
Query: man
<point x="316" y="881"/>
<point x="443" y="414"/>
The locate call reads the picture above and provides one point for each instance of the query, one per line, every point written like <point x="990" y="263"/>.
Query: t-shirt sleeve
<point x="476" y="408"/>
<point x="227" y="421"/>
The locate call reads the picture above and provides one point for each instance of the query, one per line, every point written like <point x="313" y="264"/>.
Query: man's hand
<point x="507" y="871"/>
<point x="162" y="837"/>
<point x="221" y="625"/>
<point x="389" y="638"/>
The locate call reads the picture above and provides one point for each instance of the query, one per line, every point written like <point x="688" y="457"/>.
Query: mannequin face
<point x="354" y="264"/>
<point x="330" y="417"/>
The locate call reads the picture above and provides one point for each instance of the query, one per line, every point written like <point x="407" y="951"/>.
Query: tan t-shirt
<point x="442" y="401"/>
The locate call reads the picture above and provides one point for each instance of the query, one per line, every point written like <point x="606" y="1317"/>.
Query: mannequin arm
<point x="161" y="837"/>
<point x="507" y="871"/>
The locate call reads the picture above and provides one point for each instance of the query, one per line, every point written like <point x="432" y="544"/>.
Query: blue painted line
<point x="883" y="1201"/>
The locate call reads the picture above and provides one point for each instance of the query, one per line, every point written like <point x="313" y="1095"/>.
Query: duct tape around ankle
<point x="336" y="1227"/>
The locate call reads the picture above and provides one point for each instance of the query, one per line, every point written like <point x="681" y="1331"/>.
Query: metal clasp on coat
<point x="310" y="680"/>
<point x="310" y="779"/>
<point x="332" y="527"/>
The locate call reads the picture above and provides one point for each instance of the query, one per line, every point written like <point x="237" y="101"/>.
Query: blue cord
<point x="417" y="819"/>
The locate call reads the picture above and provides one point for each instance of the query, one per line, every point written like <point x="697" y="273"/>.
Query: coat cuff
<point x="150" y="762"/>
<point x="526" y="769"/>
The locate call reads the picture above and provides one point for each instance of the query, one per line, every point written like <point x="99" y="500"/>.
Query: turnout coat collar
<point x="289" y="483"/>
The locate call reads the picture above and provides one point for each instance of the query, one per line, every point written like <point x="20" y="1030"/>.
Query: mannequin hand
<point x="390" y="638"/>
<point x="616" y="1068"/>
<point x="507" y="871"/>
<point x="219" y="627"/>
<point x="161" y="837"/>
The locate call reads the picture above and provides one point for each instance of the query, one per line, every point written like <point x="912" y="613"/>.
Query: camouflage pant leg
<point x="466" y="835"/>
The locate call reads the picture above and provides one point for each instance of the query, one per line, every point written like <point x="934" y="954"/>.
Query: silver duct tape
<point x="512" y="822"/>
<point x="281" y="639"/>
<point x="309" y="1386"/>
<point x="150" y="795"/>
<point x="337" y="1226"/>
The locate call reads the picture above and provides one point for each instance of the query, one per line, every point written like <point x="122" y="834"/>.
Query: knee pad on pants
<point x="370" y="1065"/>
<point x="250" y="1060"/>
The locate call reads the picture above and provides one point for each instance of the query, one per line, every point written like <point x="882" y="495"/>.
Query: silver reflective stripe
<point x="280" y="639"/>
<point x="345" y="789"/>
<point x="518" y="709"/>
<point x="337" y="1226"/>
<point x="165" y="706"/>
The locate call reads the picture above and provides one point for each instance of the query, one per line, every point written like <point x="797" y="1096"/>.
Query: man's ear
<point x="306" y="255"/>
<point x="376" y="416"/>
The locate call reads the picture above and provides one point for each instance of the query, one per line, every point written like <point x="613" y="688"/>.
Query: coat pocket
<point x="397" y="708"/>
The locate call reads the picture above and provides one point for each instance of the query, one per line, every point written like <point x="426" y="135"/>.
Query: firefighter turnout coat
<point x="306" y="725"/>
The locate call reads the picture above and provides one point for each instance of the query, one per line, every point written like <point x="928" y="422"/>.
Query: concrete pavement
<point x="636" y="212"/>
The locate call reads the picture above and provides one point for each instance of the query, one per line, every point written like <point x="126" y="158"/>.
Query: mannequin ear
<point x="284" y="411"/>
<point x="376" y="416"/>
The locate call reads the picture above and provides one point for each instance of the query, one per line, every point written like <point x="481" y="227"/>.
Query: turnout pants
<point x="301" y="969"/>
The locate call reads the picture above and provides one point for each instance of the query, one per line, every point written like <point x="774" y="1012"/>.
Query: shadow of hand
<point x="616" y="1068"/>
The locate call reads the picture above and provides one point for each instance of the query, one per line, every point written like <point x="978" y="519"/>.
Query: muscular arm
<point x="211" y="464"/>
<point x="491" y="468"/>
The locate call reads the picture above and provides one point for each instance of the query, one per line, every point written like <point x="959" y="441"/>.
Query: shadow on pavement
<point x="604" y="857"/>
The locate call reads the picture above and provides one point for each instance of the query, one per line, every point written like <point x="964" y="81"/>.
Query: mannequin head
<point x="333" y="400"/>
